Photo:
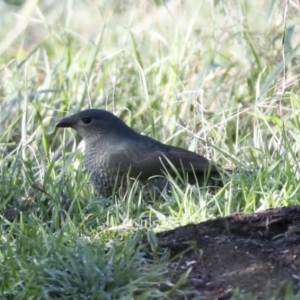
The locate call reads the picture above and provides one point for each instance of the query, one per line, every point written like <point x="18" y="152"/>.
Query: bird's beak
<point x="64" y="123"/>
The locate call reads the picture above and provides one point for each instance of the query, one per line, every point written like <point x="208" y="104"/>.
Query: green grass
<point x="208" y="77"/>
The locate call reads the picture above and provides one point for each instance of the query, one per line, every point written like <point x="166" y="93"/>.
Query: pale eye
<point x="87" y="120"/>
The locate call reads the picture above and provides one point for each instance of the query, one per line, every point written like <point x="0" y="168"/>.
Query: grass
<point x="212" y="77"/>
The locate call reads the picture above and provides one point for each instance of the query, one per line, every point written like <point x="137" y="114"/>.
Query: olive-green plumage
<point x="112" y="150"/>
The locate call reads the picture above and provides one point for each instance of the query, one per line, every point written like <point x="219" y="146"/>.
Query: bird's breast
<point x="94" y="158"/>
<point x="101" y="173"/>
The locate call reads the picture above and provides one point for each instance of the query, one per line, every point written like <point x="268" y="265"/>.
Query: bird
<point x="115" y="154"/>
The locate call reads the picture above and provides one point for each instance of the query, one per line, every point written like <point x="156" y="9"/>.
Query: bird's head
<point x="92" y="123"/>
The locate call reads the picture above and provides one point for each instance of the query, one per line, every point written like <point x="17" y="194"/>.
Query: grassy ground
<point x="213" y="77"/>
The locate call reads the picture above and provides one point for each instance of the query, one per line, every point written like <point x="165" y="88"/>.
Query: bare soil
<point x="258" y="254"/>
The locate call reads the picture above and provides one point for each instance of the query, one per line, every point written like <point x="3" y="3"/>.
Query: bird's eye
<point x="87" y="120"/>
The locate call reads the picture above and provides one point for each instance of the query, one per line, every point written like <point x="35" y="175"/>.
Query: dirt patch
<point x="259" y="254"/>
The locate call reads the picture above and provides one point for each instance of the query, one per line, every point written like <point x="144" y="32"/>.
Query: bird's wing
<point x="150" y="162"/>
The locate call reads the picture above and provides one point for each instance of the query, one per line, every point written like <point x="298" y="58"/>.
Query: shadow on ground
<point x="255" y="253"/>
